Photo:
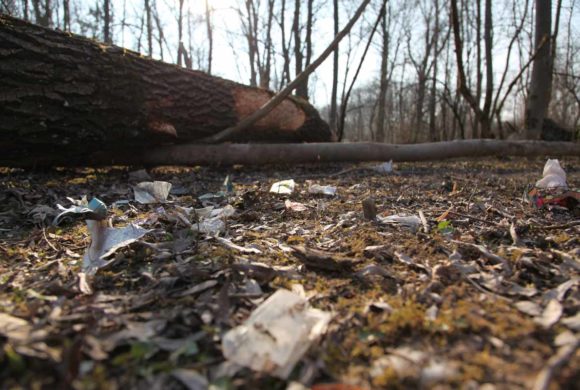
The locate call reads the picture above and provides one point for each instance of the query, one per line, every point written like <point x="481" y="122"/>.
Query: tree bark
<point x="541" y="82"/>
<point x="333" y="108"/>
<point x="256" y="154"/>
<point x="63" y="94"/>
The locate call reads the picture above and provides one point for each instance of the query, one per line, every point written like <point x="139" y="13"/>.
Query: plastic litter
<point x="276" y="335"/>
<point x="148" y="192"/>
<point x="107" y="240"/>
<point x="553" y="176"/>
<point x="95" y="209"/>
<point x="386" y="167"/>
<point x="295" y="206"/>
<point x="283" y="187"/>
<point x="553" y="188"/>
<point x="323" y="190"/>
<point x="211" y="220"/>
<point x="411" y="221"/>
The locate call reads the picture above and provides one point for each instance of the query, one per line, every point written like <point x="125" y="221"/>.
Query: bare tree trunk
<point x="266" y="64"/>
<point x="149" y="28"/>
<point x="252" y="39"/>
<point x="380" y="125"/>
<point x="111" y="98"/>
<point x="42" y="16"/>
<point x="487" y="36"/>
<point x="433" y="93"/>
<point x="160" y="35"/>
<point x="298" y="56"/>
<point x="344" y="103"/>
<point x="26" y="11"/>
<point x="285" y="79"/>
<point x="478" y="64"/>
<point x="541" y="83"/>
<point x="180" y="47"/>
<point x="482" y="116"/>
<point x="66" y="15"/>
<point x="308" y="44"/>
<point x="209" y="36"/>
<point x="333" y="97"/>
<point x="107" y="23"/>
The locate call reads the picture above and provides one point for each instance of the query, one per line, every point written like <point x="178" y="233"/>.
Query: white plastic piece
<point x="411" y="221"/>
<point x="553" y="176"/>
<point x="386" y="167"/>
<point x="324" y="190"/>
<point x="148" y="192"/>
<point x="276" y="335"/>
<point x="105" y="241"/>
<point x="283" y="187"/>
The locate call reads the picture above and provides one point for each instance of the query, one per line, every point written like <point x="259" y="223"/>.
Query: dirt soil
<point x="478" y="290"/>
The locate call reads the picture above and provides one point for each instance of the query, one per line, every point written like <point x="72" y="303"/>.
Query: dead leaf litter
<point x="318" y="276"/>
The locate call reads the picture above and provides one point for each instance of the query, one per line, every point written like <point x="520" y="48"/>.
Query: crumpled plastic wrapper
<point x="276" y="335"/>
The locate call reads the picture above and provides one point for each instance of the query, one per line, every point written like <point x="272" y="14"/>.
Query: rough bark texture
<point x="541" y="82"/>
<point x="63" y="94"/>
<point x="256" y="154"/>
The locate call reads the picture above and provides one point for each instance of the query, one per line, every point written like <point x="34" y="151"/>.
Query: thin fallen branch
<point x="557" y="227"/>
<point x="257" y="154"/>
<point x="272" y="103"/>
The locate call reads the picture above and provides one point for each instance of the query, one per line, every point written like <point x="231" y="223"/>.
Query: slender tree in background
<point x="380" y="135"/>
<point x="180" y="47"/>
<point x="107" y="22"/>
<point x="298" y="56"/>
<point x="285" y="79"/>
<point x="303" y="89"/>
<point x="209" y="30"/>
<point x="42" y="12"/>
<point x="333" y="97"/>
<point x="541" y="83"/>
<point x="66" y="15"/>
<point x="483" y="116"/>
<point x="266" y="62"/>
<point x="149" y="19"/>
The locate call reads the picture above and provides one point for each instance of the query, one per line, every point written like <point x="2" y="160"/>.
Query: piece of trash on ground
<point x="107" y="240"/>
<point x="211" y="220"/>
<point x="411" y="221"/>
<point x="295" y="206"/>
<point x="386" y="167"/>
<point x="551" y="314"/>
<point x="276" y="335"/>
<point x="283" y="187"/>
<point x="95" y="209"/>
<point x="322" y="190"/>
<point x="148" y="192"/>
<point x="553" y="188"/>
<point x="553" y="176"/>
<point x="242" y="249"/>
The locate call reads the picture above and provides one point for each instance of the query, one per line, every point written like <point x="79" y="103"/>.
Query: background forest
<point x="395" y="78"/>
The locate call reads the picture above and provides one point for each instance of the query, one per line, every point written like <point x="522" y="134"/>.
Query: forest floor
<point x="483" y="291"/>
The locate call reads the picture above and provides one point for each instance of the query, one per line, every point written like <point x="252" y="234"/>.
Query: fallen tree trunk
<point x="62" y="93"/>
<point x="255" y="154"/>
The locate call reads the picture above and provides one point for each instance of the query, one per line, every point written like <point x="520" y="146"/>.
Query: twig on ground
<point x="561" y="226"/>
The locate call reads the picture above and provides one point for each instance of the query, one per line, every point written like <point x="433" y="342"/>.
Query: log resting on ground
<point x="61" y="93"/>
<point x="255" y="154"/>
